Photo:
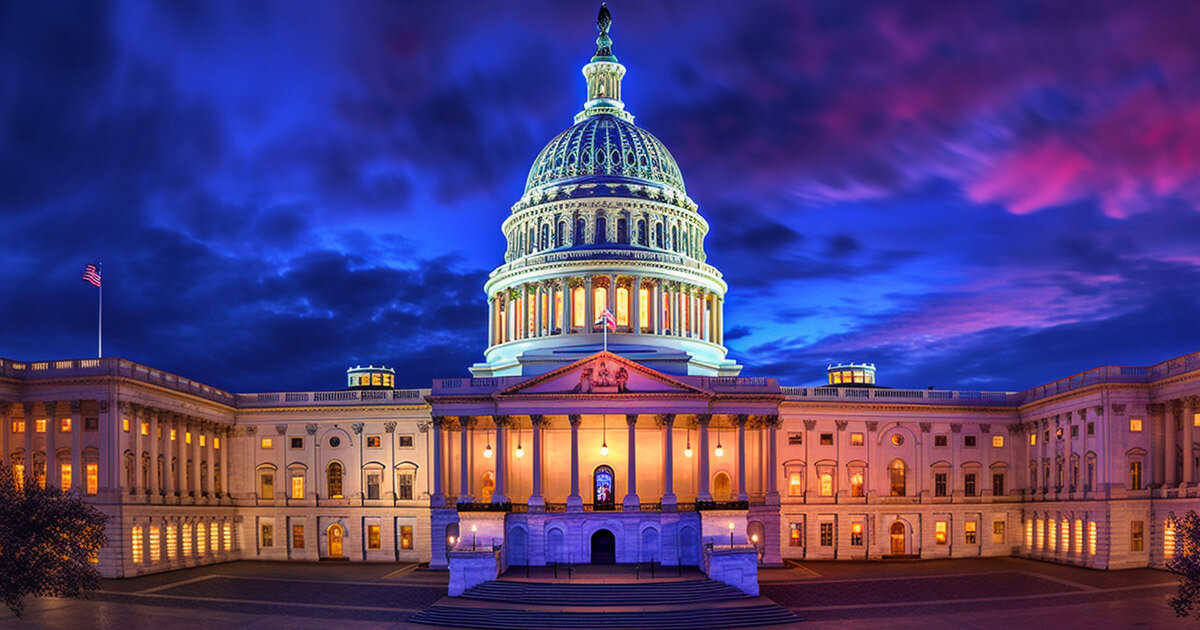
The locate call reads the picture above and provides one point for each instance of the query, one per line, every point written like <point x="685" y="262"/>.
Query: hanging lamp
<point x="719" y="451"/>
<point x="520" y="452"/>
<point x="604" y="441"/>
<point x="487" y="450"/>
<point x="687" y="450"/>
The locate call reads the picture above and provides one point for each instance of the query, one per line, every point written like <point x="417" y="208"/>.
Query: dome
<point x="603" y="148"/>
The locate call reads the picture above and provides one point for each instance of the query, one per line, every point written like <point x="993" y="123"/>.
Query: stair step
<point x="604" y="594"/>
<point x="748" y="616"/>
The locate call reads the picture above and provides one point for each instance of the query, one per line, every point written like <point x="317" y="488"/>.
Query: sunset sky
<point x="973" y="195"/>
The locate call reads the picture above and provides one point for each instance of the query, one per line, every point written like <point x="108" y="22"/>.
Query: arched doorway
<point x="756" y="534"/>
<point x="604" y="547"/>
<point x="650" y="551"/>
<point x="335" y="540"/>
<point x="451" y="535"/>
<point x="899" y="547"/>
<point x="722" y="487"/>
<point x="689" y="547"/>
<point x="516" y="545"/>
<point x="554" y="546"/>
<point x="603" y="492"/>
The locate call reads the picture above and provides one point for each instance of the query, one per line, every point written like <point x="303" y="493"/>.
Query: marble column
<point x="5" y="429"/>
<point x="539" y="322"/>
<point x="194" y="454"/>
<point x="225" y="433"/>
<point x="1043" y="454"/>
<point x="742" y="419"/>
<point x="631" y="502"/>
<point x="1167" y="420"/>
<point x="177" y="447"/>
<point x="568" y="305"/>
<point x="589" y="308"/>
<point x="574" y="502"/>
<point x="438" y="499"/>
<point x="523" y="319"/>
<point x="210" y="470"/>
<point x="1068" y="450"/>
<point x="30" y="425"/>
<point x="1189" y="425"/>
<point x="535" y="498"/>
<point x="501" y="423"/>
<point x="635" y="305"/>
<point x="464" y="430"/>
<point x="139" y="414"/>
<point x="491" y="321"/>
<point x="155" y="443"/>
<point x="78" y="475"/>
<point x="702" y="419"/>
<point x="53" y="473"/>
<point x="772" y="424"/>
<point x="655" y="310"/>
<point x="667" y="422"/>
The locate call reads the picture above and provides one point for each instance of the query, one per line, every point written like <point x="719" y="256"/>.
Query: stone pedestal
<point x="736" y="566"/>
<point x="472" y="568"/>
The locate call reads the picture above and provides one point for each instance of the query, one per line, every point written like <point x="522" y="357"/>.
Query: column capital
<point x="28" y="408"/>
<point x="575" y="419"/>
<point x="872" y="425"/>
<point x="76" y="406"/>
<point x="703" y="419"/>
<point x="390" y="427"/>
<point x="664" y="420"/>
<point x="252" y="430"/>
<point x="1191" y="401"/>
<point x="281" y="429"/>
<point x="956" y="427"/>
<point x="438" y="421"/>
<point x="50" y="407"/>
<point x="311" y="428"/>
<point x="741" y="419"/>
<point x="841" y="424"/>
<point x="466" y="422"/>
<point x="770" y="421"/>
<point x="1155" y="409"/>
<point x="631" y="419"/>
<point x="537" y="420"/>
<point x="357" y="427"/>
<point x="502" y="420"/>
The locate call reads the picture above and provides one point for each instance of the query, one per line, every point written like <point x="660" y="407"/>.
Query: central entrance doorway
<point x="604" y="547"/>
<point x="897" y="534"/>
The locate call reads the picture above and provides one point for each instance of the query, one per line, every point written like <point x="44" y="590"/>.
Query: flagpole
<point x="100" y="318"/>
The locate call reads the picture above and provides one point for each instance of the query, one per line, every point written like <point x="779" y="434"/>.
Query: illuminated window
<point x="1135" y="424"/>
<point x="1066" y="536"/>
<point x="1135" y="475"/>
<point x="263" y="443"/>
<point x="202" y="439"/>
<point x="1029" y="534"/>
<point x="969" y="533"/>
<point x="1091" y="538"/>
<point x="826" y="534"/>
<point x="201" y="539"/>
<point x="826" y="484"/>
<point x="172" y="540"/>
<point x="187" y="539"/>
<point x="406" y="537"/>
<point x="1136" y="536"/>
<point x="297" y="536"/>
<point x="227" y="536"/>
<point x="998" y="532"/>
<point x="174" y="434"/>
<point x="1078" y="535"/>
<point x="93" y="478"/>
<point x="145" y="428"/>
<point x="1040" y="539"/>
<point x="1169" y="540"/>
<point x="39" y="425"/>
<point x="135" y="544"/>
<point x="856" y="537"/>
<point x="622" y="306"/>
<point x="896" y="473"/>
<point x="856" y="484"/>
<point x="1052" y="535"/>
<point x="1196" y="420"/>
<point x="155" y="545"/>
<point x="65" y="425"/>
<point x="997" y="441"/>
<point x="374" y="441"/>
<point x="599" y="303"/>
<point x="333" y="476"/>
<point x="267" y="535"/>
<point x="795" y="485"/>
<point x="216" y="443"/>
<point x="19" y="475"/>
<point x="1032" y="439"/>
<point x="898" y="440"/>
<point x="856" y="439"/>
<point x="187" y="437"/>
<point x="795" y="534"/>
<point x="644" y="308"/>
<point x="64" y="475"/>
<point x="297" y="486"/>
<point x="578" y="306"/>
<point x="125" y="424"/>
<point x="373" y="537"/>
<point x="18" y="426"/>
<point x="939" y="532"/>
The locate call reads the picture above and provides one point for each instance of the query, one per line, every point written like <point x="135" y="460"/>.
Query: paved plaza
<point x="984" y="593"/>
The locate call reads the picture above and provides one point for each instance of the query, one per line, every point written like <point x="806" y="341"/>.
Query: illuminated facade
<point x="559" y="451"/>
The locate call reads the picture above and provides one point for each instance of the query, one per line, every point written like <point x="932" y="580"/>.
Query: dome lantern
<point x="604" y="74"/>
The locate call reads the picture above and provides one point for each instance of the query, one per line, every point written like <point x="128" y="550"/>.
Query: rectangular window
<point x="1065" y="527"/>
<point x="941" y="440"/>
<point x="374" y="441"/>
<point x="91" y="424"/>
<point x="172" y="541"/>
<point x="155" y="545"/>
<point x="202" y="438"/>
<point x="406" y="537"/>
<point x="267" y="536"/>
<point x="144" y="429"/>
<point x="404" y="486"/>
<point x="1078" y="535"/>
<point x="1135" y="475"/>
<point x="64" y="476"/>
<point x="826" y="439"/>
<point x="93" y="477"/>
<point x="373" y="485"/>
<point x="644" y="308"/>
<point x="64" y="425"/>
<point x="998" y="441"/>
<point x="1029" y="534"/>
<point x="297" y="536"/>
<point x="1091" y="428"/>
<point x="187" y="438"/>
<point x="264" y="443"/>
<point x="796" y="534"/>
<point x="125" y="424"/>
<point x="135" y="543"/>
<point x="1169" y="540"/>
<point x="969" y="533"/>
<point x="856" y="484"/>
<point x="969" y="441"/>
<point x="856" y="536"/>
<point x="201" y="539"/>
<point x="216" y="442"/>
<point x="373" y="537"/>
<point x="998" y="532"/>
<point x="1091" y="538"/>
<point x="997" y="484"/>
<point x="969" y="484"/>
<point x="1032" y="439"/>
<point x="404" y="441"/>
<point x="266" y="485"/>
<point x="1135" y="424"/>
<point x="939" y="484"/>
<point x="39" y="425"/>
<point x="795" y="439"/>
<point x="939" y="532"/>
<point x="18" y="426"/>
<point x="187" y="539"/>
<point x="1196" y="419"/>
<point x="174" y="434"/>
<point x="826" y="534"/>
<point x="1136" y="536"/>
<point x="1052" y="534"/>
<point x="297" y="487"/>
<point x="297" y="442"/>
<point x="856" y="439"/>
<point x="1074" y="430"/>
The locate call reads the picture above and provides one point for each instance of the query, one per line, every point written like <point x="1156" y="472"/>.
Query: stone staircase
<point x="685" y="604"/>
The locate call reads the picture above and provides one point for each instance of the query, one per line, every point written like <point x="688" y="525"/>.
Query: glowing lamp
<point x="487" y="451"/>
<point x="520" y="452"/>
<point x="754" y="538"/>
<point x="719" y="451"/>
<point x="687" y="452"/>
<point x="730" y="526"/>
<point x="604" y="450"/>
<point x="475" y="529"/>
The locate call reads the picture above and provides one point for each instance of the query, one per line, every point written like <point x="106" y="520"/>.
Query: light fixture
<point x="719" y="451"/>
<point x="604" y="441"/>
<point x="487" y="450"/>
<point x="730" y="534"/>
<point x="520" y="452"/>
<point x="687" y="450"/>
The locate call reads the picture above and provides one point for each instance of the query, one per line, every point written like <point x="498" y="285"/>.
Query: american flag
<point x="609" y="320"/>
<point x="92" y="275"/>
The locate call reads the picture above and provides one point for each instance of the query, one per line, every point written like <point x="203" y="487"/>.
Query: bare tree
<point x="1186" y="564"/>
<point x="48" y="539"/>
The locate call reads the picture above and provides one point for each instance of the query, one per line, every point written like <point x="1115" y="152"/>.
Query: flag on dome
<point x="91" y="274"/>
<point x="610" y="320"/>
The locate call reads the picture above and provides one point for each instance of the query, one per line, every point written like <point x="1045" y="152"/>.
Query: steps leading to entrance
<point x="557" y="593"/>
<point x="731" y="617"/>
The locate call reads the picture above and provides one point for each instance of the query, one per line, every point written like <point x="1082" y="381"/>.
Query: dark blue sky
<point x="972" y="195"/>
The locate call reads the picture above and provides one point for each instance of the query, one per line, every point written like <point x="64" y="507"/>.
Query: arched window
<point x="658" y="235"/>
<point x="603" y="488"/>
<point x="674" y="238"/>
<point x="826" y="484"/>
<point x="599" y="303"/>
<point x="601" y="230"/>
<point x="896" y="474"/>
<point x="580" y="229"/>
<point x="531" y="242"/>
<point x="721" y="487"/>
<point x="545" y="236"/>
<point x="578" y="306"/>
<point x="333" y="479"/>
<point x="623" y="231"/>
<point x="641" y="232"/>
<point x="560" y="234"/>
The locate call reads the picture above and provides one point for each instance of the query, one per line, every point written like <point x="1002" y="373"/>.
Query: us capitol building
<point x="556" y="450"/>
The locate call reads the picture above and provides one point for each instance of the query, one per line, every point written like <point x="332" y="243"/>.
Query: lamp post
<point x="473" y="530"/>
<point x="754" y="539"/>
<point x="731" y="534"/>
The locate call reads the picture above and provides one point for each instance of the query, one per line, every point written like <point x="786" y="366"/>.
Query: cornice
<point x="125" y="380"/>
<point x="858" y="404"/>
<point x="316" y="409"/>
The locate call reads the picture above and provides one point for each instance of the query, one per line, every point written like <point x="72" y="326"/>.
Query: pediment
<point x="603" y="373"/>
